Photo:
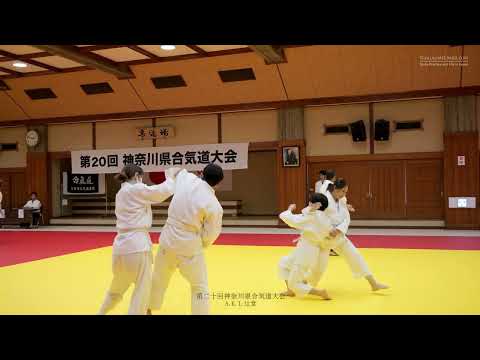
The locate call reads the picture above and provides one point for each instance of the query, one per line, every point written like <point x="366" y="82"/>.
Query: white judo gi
<point x="132" y="249"/>
<point x="340" y="218"/>
<point x="194" y="222"/>
<point x="300" y="265"/>
<point x="323" y="188"/>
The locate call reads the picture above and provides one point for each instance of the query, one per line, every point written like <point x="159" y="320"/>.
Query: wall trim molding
<point x="263" y="146"/>
<point x="375" y="157"/>
<point x="269" y="105"/>
<point x="13" y="170"/>
<point x="58" y="155"/>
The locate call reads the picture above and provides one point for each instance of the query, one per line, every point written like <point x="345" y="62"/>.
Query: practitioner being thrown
<point x="296" y="269"/>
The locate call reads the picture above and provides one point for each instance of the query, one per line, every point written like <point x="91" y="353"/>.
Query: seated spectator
<point x="35" y="205"/>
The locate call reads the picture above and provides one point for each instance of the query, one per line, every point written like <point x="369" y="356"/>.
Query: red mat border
<point x="23" y="246"/>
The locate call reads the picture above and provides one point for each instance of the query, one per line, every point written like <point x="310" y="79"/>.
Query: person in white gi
<point x="297" y="267"/>
<point x="330" y="177"/>
<point x="194" y="222"/>
<point x="132" y="249"/>
<point x="33" y="203"/>
<point x="319" y="183"/>
<point x="338" y="212"/>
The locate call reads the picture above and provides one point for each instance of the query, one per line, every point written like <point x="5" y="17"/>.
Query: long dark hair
<point x="128" y="172"/>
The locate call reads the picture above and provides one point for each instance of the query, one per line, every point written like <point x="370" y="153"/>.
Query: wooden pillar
<point x="292" y="180"/>
<point x="461" y="180"/>
<point x="37" y="174"/>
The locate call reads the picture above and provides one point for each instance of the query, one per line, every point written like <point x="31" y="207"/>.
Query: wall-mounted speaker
<point x="358" y="131"/>
<point x="382" y="130"/>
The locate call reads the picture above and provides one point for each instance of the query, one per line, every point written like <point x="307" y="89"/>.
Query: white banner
<point x="190" y="157"/>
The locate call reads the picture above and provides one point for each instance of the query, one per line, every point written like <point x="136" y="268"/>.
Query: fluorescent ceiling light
<point x="19" y="64"/>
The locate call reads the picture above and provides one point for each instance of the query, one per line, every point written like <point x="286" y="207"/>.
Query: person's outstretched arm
<point x="161" y="192"/>
<point x="292" y="220"/>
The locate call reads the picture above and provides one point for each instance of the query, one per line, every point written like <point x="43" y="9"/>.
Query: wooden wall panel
<point x="13" y="189"/>
<point x="424" y="189"/>
<point x="461" y="180"/>
<point x="356" y="175"/>
<point x="406" y="187"/>
<point x="37" y="178"/>
<point x="387" y="189"/>
<point x="19" y="194"/>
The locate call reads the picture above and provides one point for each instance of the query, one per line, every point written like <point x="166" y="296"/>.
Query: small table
<point x="12" y="219"/>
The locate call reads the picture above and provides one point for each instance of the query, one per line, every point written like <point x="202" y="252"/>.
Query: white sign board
<point x="152" y="159"/>
<point x="462" y="202"/>
<point x="21" y="214"/>
<point x="79" y="183"/>
<point x="461" y="160"/>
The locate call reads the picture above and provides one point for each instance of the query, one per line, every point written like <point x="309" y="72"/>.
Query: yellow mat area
<point x="422" y="282"/>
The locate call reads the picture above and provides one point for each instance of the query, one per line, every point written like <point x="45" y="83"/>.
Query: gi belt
<point x="181" y="225"/>
<point x="124" y="231"/>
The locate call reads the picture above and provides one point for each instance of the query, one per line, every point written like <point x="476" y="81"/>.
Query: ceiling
<point x="274" y="76"/>
<point x="39" y="62"/>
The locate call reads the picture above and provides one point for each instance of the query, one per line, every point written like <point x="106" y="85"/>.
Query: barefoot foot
<point x="324" y="295"/>
<point x="379" y="286"/>
<point x="288" y="293"/>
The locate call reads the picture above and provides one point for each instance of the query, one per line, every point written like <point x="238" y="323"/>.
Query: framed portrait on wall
<point x="291" y="156"/>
